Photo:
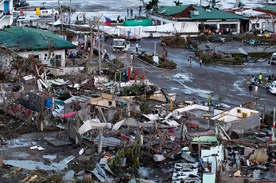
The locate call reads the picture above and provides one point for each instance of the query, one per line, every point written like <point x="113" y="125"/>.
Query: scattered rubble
<point x="116" y="135"/>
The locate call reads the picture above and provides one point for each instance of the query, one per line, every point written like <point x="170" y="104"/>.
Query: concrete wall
<point x="242" y="125"/>
<point x="182" y="27"/>
<point x="235" y="110"/>
<point x="43" y="55"/>
<point x="234" y="114"/>
<point x="251" y="123"/>
<point x="64" y="70"/>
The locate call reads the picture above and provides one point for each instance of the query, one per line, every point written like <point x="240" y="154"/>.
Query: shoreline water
<point x="113" y="9"/>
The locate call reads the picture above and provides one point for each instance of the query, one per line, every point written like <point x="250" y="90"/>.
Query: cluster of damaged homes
<point x="207" y="144"/>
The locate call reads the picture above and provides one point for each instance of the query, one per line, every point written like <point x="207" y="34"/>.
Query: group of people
<point x="190" y="59"/>
<point x="252" y="82"/>
<point x="130" y="11"/>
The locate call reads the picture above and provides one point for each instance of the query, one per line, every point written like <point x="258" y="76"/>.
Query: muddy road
<point x="228" y="83"/>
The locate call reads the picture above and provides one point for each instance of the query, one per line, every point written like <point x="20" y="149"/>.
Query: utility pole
<point x="99" y="49"/>
<point x="70" y="12"/>
<point x="92" y="24"/>
<point x="61" y="18"/>
<point x="53" y="17"/>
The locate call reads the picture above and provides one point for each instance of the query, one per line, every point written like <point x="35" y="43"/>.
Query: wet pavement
<point x="226" y="82"/>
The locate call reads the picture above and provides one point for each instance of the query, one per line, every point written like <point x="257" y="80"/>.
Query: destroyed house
<point x="36" y="101"/>
<point x="238" y="119"/>
<point x="42" y="45"/>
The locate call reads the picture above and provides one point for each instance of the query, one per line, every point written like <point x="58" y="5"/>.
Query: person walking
<point x="137" y="47"/>
<point x="256" y="90"/>
<point x="127" y="12"/>
<point x="140" y="10"/>
<point x="131" y="12"/>
<point x="252" y="80"/>
<point x="166" y="54"/>
<point x="248" y="80"/>
<point x="250" y="89"/>
<point x="260" y="78"/>
<point x="200" y="62"/>
<point x="190" y="61"/>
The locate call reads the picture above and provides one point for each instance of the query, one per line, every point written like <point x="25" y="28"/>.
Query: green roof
<point x="269" y="8"/>
<point x="213" y="14"/>
<point x="194" y="12"/>
<point x="138" y="22"/>
<point x="171" y="10"/>
<point x="26" y="38"/>
<point x="205" y="140"/>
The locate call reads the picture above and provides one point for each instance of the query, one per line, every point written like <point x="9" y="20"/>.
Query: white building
<point x="42" y="45"/>
<point x="196" y="19"/>
<point x="6" y="17"/>
<point x="238" y="119"/>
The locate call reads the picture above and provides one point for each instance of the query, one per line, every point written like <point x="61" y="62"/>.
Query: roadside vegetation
<point x="162" y="63"/>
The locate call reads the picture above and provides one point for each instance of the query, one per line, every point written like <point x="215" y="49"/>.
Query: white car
<point x="272" y="87"/>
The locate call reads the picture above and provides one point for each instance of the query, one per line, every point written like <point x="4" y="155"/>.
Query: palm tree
<point x="177" y="3"/>
<point x="212" y="3"/>
<point x="153" y="4"/>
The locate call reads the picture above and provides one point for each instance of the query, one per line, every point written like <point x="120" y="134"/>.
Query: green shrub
<point x="167" y="64"/>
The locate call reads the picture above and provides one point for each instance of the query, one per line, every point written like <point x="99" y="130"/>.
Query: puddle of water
<point x="182" y="76"/>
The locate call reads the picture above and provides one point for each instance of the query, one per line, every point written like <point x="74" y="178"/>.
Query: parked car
<point x="273" y="59"/>
<point x="272" y="87"/>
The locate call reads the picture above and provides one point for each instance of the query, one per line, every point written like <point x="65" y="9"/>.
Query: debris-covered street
<point x="192" y="124"/>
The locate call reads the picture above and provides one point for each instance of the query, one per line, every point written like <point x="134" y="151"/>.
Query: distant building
<point x="42" y="45"/>
<point x="197" y="19"/>
<point x="261" y="19"/>
<point x="6" y="17"/>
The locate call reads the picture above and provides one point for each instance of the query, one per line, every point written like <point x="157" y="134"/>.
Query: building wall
<point x="269" y="26"/>
<point x="251" y="123"/>
<point x="43" y="56"/>
<point x="235" y="111"/>
<point x="235" y="114"/>
<point x="261" y="23"/>
<point x="6" y="20"/>
<point x="191" y="26"/>
<point x="242" y="125"/>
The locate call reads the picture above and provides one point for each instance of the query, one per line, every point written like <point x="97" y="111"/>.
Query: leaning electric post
<point x="92" y="24"/>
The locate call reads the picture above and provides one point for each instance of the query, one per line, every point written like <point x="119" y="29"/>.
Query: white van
<point x="120" y="44"/>
<point x="273" y="59"/>
<point x="272" y="87"/>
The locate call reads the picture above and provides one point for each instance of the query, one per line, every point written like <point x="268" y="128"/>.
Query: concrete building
<point x="238" y="119"/>
<point x="6" y="17"/>
<point x="261" y="19"/>
<point x="194" y="19"/>
<point x="42" y="45"/>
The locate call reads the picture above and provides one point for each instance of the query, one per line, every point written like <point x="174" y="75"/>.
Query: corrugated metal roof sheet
<point x="171" y="10"/>
<point x="26" y="38"/>
<point x="212" y="14"/>
<point x="269" y="8"/>
<point x="205" y="139"/>
<point x="195" y="12"/>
